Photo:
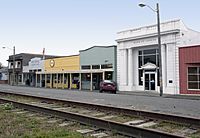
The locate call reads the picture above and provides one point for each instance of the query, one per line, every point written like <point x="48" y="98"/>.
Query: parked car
<point x="108" y="85"/>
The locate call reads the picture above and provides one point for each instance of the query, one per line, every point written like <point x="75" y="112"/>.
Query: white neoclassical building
<point x="138" y="56"/>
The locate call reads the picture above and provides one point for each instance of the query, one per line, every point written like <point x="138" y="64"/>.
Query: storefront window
<point x="108" y="76"/>
<point x="85" y="81"/>
<point x="48" y="78"/>
<point x="20" y="78"/>
<point x="144" y="57"/>
<point x="150" y="59"/>
<point x="140" y="61"/>
<point x="95" y="66"/>
<point x="194" y="78"/>
<point x="149" y="51"/>
<point x="85" y="67"/>
<point x="158" y="77"/>
<point x="140" y="77"/>
<point x="106" y="66"/>
<point x="148" y="56"/>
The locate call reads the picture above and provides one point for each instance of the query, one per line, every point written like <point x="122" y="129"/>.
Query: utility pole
<point x="13" y="65"/>
<point x="159" y="47"/>
<point x="159" y="42"/>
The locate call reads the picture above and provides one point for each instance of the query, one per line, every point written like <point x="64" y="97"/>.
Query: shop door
<point x="150" y="81"/>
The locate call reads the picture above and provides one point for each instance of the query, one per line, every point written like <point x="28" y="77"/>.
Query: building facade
<point x="15" y="73"/>
<point x="3" y="75"/>
<point x="138" y="56"/>
<point x="96" y="64"/>
<point x="35" y="64"/>
<point x="190" y="69"/>
<point x="62" y="72"/>
<point x="84" y="71"/>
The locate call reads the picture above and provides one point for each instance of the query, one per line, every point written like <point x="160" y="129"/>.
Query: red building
<point x="189" y="69"/>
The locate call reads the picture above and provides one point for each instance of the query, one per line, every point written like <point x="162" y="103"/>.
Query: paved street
<point x="166" y="104"/>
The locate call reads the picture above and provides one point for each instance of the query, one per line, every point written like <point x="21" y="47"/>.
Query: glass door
<point x="150" y="81"/>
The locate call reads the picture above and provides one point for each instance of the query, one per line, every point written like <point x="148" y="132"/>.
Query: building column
<point x="57" y="81"/>
<point x="123" y="67"/>
<point x="103" y="77"/>
<point x="51" y="75"/>
<point x="45" y="80"/>
<point x="63" y="80"/>
<point x="70" y="80"/>
<point x="130" y="67"/>
<point x="35" y="79"/>
<point x="23" y="79"/>
<point x="91" y="86"/>
<point x="40" y="80"/>
<point x="79" y="81"/>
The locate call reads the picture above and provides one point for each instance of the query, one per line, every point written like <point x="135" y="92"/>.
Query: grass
<point x="195" y="135"/>
<point x="14" y="125"/>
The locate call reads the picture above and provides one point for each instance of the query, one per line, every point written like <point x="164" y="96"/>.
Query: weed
<point x="7" y="106"/>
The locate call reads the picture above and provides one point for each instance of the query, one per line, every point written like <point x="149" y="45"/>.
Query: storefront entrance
<point x="150" y="81"/>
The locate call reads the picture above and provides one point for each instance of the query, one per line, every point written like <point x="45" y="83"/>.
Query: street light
<point x="13" y="62"/>
<point x="159" y="42"/>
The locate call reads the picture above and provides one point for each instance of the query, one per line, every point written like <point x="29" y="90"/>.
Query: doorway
<point x="150" y="81"/>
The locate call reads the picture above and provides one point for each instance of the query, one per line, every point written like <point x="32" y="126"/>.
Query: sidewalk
<point x="156" y="94"/>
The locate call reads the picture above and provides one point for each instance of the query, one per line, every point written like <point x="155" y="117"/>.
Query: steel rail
<point x="93" y="121"/>
<point x="149" y="114"/>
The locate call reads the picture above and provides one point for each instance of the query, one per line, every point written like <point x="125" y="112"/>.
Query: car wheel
<point x="100" y="91"/>
<point x="114" y="92"/>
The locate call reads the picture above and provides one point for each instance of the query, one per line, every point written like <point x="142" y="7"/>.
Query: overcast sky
<point x="63" y="27"/>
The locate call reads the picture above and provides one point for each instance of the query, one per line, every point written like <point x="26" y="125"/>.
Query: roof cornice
<point x="148" y="35"/>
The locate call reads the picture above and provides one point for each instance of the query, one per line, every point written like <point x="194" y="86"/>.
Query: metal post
<point x="63" y="80"/>
<point x="14" y="65"/>
<point x="36" y="77"/>
<point x="70" y="80"/>
<point x="160" y="51"/>
<point x="41" y="80"/>
<point x="51" y="78"/>
<point x="80" y="81"/>
<point x="91" y="83"/>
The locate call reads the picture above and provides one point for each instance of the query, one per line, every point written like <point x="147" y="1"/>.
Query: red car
<point x="108" y="85"/>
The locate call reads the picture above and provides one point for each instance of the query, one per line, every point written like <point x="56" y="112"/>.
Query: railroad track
<point x="134" y="127"/>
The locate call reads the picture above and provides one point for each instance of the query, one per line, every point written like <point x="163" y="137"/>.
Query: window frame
<point x="198" y="78"/>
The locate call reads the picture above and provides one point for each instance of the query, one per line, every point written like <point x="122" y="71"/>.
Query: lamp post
<point x="13" y="74"/>
<point x="159" y="42"/>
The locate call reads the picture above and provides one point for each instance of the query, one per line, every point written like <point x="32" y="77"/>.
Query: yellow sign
<point x="52" y="63"/>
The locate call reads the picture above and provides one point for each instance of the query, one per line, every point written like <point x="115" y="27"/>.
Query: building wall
<point x="126" y="83"/>
<point x="99" y="55"/>
<point x="36" y="64"/>
<point x="69" y="63"/>
<point x="173" y="35"/>
<point x="4" y="74"/>
<point x="189" y="57"/>
<point x="21" y="60"/>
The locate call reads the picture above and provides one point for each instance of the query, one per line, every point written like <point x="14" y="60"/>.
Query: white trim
<point x="77" y="71"/>
<point x="149" y="66"/>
